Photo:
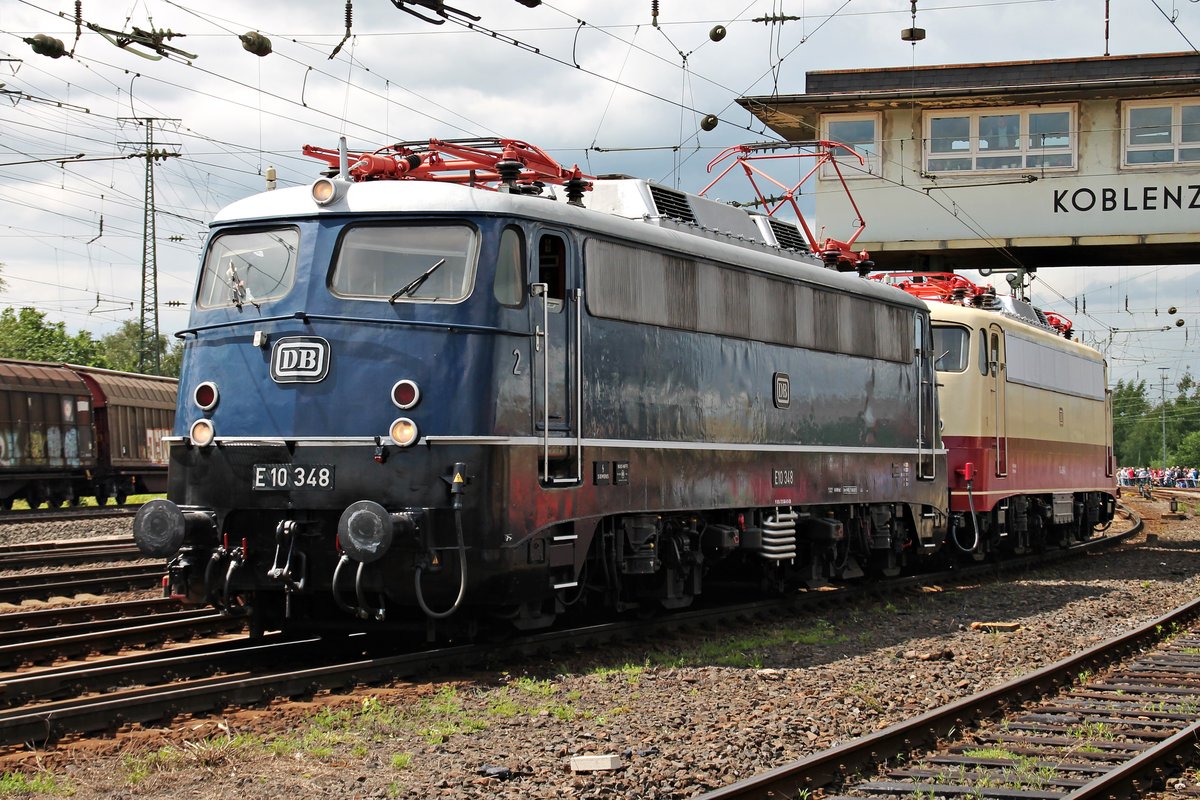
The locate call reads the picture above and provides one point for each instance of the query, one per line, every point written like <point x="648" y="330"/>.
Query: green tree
<point x="121" y="350"/>
<point x="1138" y="425"/>
<point x="1187" y="452"/>
<point x="26" y="334"/>
<point x="1131" y="429"/>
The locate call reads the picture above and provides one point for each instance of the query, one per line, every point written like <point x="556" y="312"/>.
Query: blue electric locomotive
<point x="437" y="387"/>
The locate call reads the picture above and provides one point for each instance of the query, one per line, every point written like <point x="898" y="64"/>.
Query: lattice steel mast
<point x="149" y="352"/>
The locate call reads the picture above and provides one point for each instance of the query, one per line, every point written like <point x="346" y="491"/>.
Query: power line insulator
<point x="912" y="34"/>
<point x="254" y="42"/>
<point x="717" y="33"/>
<point x="709" y="122"/>
<point x="45" y="45"/>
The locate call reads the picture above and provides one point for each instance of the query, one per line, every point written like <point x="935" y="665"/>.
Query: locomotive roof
<point x="980" y="317"/>
<point x="630" y="209"/>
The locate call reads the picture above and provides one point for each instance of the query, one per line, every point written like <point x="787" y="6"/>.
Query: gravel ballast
<point x="667" y="720"/>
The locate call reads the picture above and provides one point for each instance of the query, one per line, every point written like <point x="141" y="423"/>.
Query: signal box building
<point x="1073" y="162"/>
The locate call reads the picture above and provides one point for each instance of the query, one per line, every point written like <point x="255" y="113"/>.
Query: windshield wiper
<point x="416" y="282"/>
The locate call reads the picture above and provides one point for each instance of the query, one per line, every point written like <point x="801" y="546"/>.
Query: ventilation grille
<point x="672" y="204"/>
<point x="788" y="235"/>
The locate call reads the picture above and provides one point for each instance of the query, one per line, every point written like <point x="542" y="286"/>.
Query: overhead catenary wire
<point x="196" y="165"/>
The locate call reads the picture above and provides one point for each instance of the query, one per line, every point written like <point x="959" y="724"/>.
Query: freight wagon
<point x="69" y="431"/>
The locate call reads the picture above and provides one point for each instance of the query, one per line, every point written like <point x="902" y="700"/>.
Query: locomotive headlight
<point x="206" y="396"/>
<point x="203" y="432"/>
<point x="325" y="191"/>
<point x="403" y="431"/>
<point x="406" y="394"/>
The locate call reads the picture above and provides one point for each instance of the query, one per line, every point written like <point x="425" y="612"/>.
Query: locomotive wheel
<point x="36" y="496"/>
<point x="101" y="498"/>
<point x="266" y="614"/>
<point x="121" y="497"/>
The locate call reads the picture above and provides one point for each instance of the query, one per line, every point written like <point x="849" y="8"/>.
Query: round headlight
<point x="405" y="394"/>
<point x="203" y="432"/>
<point x="324" y="191"/>
<point x="403" y="431"/>
<point x="206" y="396"/>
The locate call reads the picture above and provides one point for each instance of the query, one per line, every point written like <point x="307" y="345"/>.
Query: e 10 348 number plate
<point x="273" y="477"/>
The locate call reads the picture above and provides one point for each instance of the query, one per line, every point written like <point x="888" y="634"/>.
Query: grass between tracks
<point x="90" y="502"/>
<point x="14" y="784"/>
<point x="358" y="730"/>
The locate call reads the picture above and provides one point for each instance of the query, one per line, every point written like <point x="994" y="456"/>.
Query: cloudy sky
<point x="592" y="81"/>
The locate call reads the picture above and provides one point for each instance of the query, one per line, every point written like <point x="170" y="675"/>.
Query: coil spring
<point x="779" y="536"/>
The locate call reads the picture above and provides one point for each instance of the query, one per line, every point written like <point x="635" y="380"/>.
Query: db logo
<point x="300" y="359"/>
<point x="783" y="390"/>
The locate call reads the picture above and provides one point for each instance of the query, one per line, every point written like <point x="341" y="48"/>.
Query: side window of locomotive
<point x="994" y="355"/>
<point x="406" y="263"/>
<point x="950" y="349"/>
<point x="983" y="352"/>
<point x="509" y="286"/>
<point x="248" y="267"/>
<point x="552" y="269"/>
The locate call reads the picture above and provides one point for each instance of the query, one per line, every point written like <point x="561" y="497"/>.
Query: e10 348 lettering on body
<point x="1147" y="198"/>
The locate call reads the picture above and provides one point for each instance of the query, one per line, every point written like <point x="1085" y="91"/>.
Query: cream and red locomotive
<point x="1026" y="418"/>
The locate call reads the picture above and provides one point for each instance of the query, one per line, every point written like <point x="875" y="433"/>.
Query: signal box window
<point x="509" y="286"/>
<point x="248" y="267"/>
<point x="552" y="268"/>
<point x="859" y="131"/>
<point x="1162" y="133"/>
<point x="406" y="263"/>
<point x="1000" y="139"/>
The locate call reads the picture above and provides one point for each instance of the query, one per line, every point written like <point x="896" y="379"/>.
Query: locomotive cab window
<point x="552" y="269"/>
<point x="248" y="267"/>
<point x="983" y="352"/>
<point x="950" y="348"/>
<point x="406" y="263"/>
<point x="509" y="285"/>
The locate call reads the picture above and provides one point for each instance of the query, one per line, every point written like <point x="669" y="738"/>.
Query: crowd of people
<point x="1179" y="477"/>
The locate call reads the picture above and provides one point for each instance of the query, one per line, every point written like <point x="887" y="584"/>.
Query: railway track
<point x="51" y="642"/>
<point x="78" y="551"/>
<point x="66" y="514"/>
<point x="153" y="687"/>
<point x="1115" y="736"/>
<point x="83" y="580"/>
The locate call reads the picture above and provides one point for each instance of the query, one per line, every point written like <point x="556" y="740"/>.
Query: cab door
<point x="997" y="382"/>
<point x="557" y="325"/>
<point x="927" y="414"/>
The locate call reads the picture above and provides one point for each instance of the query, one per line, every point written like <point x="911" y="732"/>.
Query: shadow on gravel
<point x="1121" y="588"/>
